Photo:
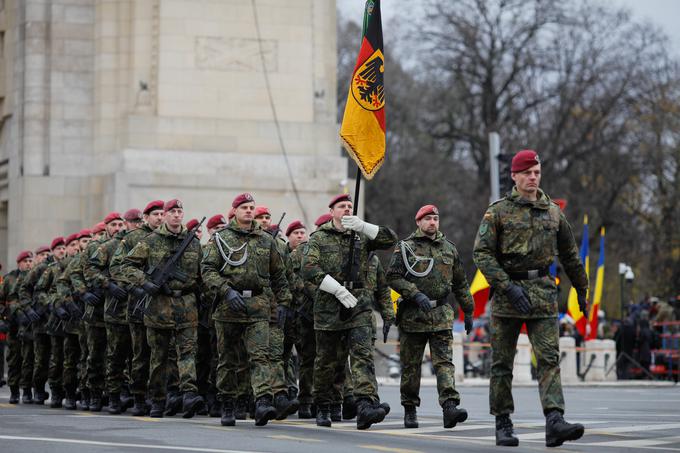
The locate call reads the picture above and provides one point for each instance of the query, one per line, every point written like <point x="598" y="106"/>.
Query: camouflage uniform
<point x="169" y="317"/>
<point x="376" y="282"/>
<point x="263" y="274"/>
<point x="417" y="328"/>
<point x="14" y="360"/>
<point x="328" y="253"/>
<point x="517" y="236"/>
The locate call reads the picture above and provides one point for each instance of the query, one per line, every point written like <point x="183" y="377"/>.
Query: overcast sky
<point x="664" y="13"/>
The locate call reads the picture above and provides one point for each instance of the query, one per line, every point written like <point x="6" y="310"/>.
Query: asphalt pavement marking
<point x="296" y="439"/>
<point x="389" y="449"/>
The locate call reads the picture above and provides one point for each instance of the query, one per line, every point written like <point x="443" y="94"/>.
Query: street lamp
<point x="627" y="275"/>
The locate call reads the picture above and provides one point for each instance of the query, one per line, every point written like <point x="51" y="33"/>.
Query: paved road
<point x="617" y="419"/>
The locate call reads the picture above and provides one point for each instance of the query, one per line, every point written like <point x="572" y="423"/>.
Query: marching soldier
<point x="426" y="270"/>
<point x="517" y="241"/>
<point x="343" y="308"/>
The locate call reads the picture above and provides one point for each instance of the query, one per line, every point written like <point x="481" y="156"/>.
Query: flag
<point x="572" y="306"/>
<point x="363" y="124"/>
<point x="480" y="293"/>
<point x="597" y="290"/>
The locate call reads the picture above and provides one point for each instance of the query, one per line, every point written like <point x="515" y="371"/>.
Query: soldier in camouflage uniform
<point x="343" y="308"/>
<point x="242" y="266"/>
<point x="517" y="241"/>
<point x="426" y="270"/>
<point x="41" y="341"/>
<point x="153" y="215"/>
<point x="170" y="312"/>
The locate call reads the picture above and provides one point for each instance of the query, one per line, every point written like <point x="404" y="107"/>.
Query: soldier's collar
<point x="418" y="234"/>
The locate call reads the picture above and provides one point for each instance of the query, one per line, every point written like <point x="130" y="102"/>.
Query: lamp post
<point x="626" y="274"/>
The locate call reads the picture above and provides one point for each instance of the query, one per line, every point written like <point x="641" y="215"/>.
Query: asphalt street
<point x="616" y="418"/>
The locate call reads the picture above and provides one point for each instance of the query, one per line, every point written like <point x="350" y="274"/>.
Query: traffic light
<point x="505" y="181"/>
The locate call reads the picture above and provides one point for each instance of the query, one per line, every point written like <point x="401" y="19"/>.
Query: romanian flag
<point x="597" y="290"/>
<point x="572" y="306"/>
<point x="480" y="293"/>
<point x="363" y="124"/>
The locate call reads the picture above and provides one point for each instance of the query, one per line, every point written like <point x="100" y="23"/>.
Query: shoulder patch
<point x="483" y="229"/>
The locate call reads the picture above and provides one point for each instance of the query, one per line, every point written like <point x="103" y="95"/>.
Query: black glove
<point x="519" y="298"/>
<point x="116" y="291"/>
<point x="137" y="293"/>
<point x="386" y="330"/>
<point x="282" y="315"/>
<point x="4" y="327"/>
<point x="235" y="301"/>
<point x="61" y="313"/>
<point x="73" y="309"/>
<point x="581" y="295"/>
<point x="422" y="301"/>
<point x="90" y="298"/>
<point x="22" y="319"/>
<point x="468" y="324"/>
<point x="150" y="288"/>
<point x="32" y="315"/>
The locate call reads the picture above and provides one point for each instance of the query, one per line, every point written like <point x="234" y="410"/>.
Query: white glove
<point x="332" y="286"/>
<point x="352" y="222"/>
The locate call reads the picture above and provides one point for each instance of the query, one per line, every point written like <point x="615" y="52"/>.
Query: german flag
<point x="363" y="124"/>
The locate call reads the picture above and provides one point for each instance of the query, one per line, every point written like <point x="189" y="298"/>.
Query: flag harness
<point x="406" y="250"/>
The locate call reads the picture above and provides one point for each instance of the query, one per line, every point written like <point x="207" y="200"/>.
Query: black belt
<point x="247" y="293"/>
<point x="530" y="274"/>
<point x="353" y="285"/>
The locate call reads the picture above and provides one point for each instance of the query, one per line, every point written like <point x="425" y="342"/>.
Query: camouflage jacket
<point x="517" y="235"/>
<point x="328" y="253"/>
<point x="46" y="289"/>
<point x="376" y="283"/>
<point x="66" y="291"/>
<point x="28" y="294"/>
<point x="82" y="280"/>
<point x="446" y="278"/>
<point x="97" y="275"/>
<point x="263" y="272"/>
<point x="303" y="292"/>
<point x="166" y="311"/>
<point x="9" y="296"/>
<point x="284" y="252"/>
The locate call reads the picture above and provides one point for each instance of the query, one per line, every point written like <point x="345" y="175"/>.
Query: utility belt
<point x="530" y="274"/>
<point x="353" y="285"/>
<point x="248" y="293"/>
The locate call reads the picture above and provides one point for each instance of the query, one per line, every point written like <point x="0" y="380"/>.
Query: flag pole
<point x="351" y="271"/>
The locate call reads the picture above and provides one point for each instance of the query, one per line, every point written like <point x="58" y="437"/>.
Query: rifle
<point x="351" y="271"/>
<point x="275" y="231"/>
<point x="161" y="274"/>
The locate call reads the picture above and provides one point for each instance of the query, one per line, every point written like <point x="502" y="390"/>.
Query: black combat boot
<point x="14" y="395"/>
<point x="41" y="395"/>
<point x="115" y="405"/>
<point x="157" y="409"/>
<point x="323" y="415"/>
<point x="557" y="431"/>
<point x="85" y="400"/>
<point x="505" y="435"/>
<point x="216" y="409"/>
<point x="264" y="411"/>
<point x="386" y="407"/>
<point x="251" y="407"/>
<point x="69" y="402"/>
<point x="27" y="396"/>
<point x="228" y="418"/>
<point x="191" y="404"/>
<point x="281" y="404"/>
<point x="241" y="409"/>
<point x="96" y="402"/>
<point x="368" y="413"/>
<point x="173" y="403"/>
<point x="126" y="400"/>
<point x="293" y="403"/>
<point x="453" y="414"/>
<point x="349" y="408"/>
<point x="410" y="417"/>
<point x="305" y="411"/>
<point x="57" y="397"/>
<point x="140" y="409"/>
<point x="336" y="412"/>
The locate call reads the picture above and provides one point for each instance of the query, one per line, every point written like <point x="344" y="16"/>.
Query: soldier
<point x="170" y="312"/>
<point x="153" y="215"/>
<point x="426" y="270"/>
<point x="18" y="320"/>
<point x="344" y="309"/>
<point x="242" y="266"/>
<point x="41" y="341"/>
<point x="517" y="241"/>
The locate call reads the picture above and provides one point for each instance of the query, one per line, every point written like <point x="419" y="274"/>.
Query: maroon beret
<point x="426" y="210"/>
<point x="191" y="223"/>
<point x="85" y="233"/>
<point x="243" y="198"/>
<point x="172" y="204"/>
<point x="215" y="220"/>
<point x="98" y="228"/>
<point x="323" y="219"/>
<point x="42" y="249"/>
<point x="524" y="159"/>
<point x="133" y="215"/>
<point x="261" y="210"/>
<point x="339" y="198"/>
<point x="70" y="238"/>
<point x="232" y="213"/>
<point x="294" y="225"/>
<point x="23" y="255"/>
<point x="153" y="206"/>
<point x="56" y="242"/>
<point x="111" y="216"/>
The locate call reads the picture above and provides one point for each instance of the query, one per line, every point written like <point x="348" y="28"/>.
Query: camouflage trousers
<point x="411" y="347"/>
<point x="355" y="342"/>
<point x="42" y="347"/>
<point x="278" y="368"/>
<point x="344" y="384"/>
<point x="544" y="338"/>
<point x="160" y="343"/>
<point x="96" y="358"/>
<point x="254" y="336"/>
<point x="56" y="367"/>
<point x="244" y="386"/>
<point x="291" y="339"/>
<point x="82" y="363"/>
<point x="13" y="357"/>
<point x="72" y="354"/>
<point x="27" y="359"/>
<point x="204" y="361"/>
<point x="139" y="373"/>
<point x="118" y="356"/>
<point x="306" y="354"/>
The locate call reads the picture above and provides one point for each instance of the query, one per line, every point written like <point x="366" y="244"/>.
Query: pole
<point x="351" y="270"/>
<point x="494" y="151"/>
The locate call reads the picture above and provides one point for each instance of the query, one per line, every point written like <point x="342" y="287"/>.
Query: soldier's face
<point x="83" y="242"/>
<point x="26" y="264"/>
<point x="41" y="257"/>
<point x="174" y="217"/>
<point x="297" y="237"/>
<point x="264" y="220"/>
<point x="132" y="226"/>
<point x="219" y="226"/>
<point x="199" y="233"/>
<point x="245" y="213"/>
<point x="528" y="181"/>
<point x="59" y="252"/>
<point x="114" y="227"/>
<point x="73" y="248"/>
<point x="341" y="209"/>
<point x="429" y="224"/>
<point x="154" y="218"/>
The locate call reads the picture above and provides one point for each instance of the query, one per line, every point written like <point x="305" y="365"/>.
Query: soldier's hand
<point x="519" y="298"/>
<point x="234" y="301"/>
<point x="22" y="319"/>
<point x="90" y="298"/>
<point x="32" y="315"/>
<point x="332" y="286"/>
<point x="422" y="301"/>
<point x="386" y="330"/>
<point x="116" y="291"/>
<point x="61" y="313"/>
<point x="354" y="223"/>
<point x="468" y="324"/>
<point x="150" y="288"/>
<point x="282" y="316"/>
<point x="582" y="297"/>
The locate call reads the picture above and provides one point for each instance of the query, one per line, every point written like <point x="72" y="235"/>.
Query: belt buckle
<point x="532" y="274"/>
<point x="247" y="293"/>
<point x="348" y="285"/>
<point x="433" y="303"/>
